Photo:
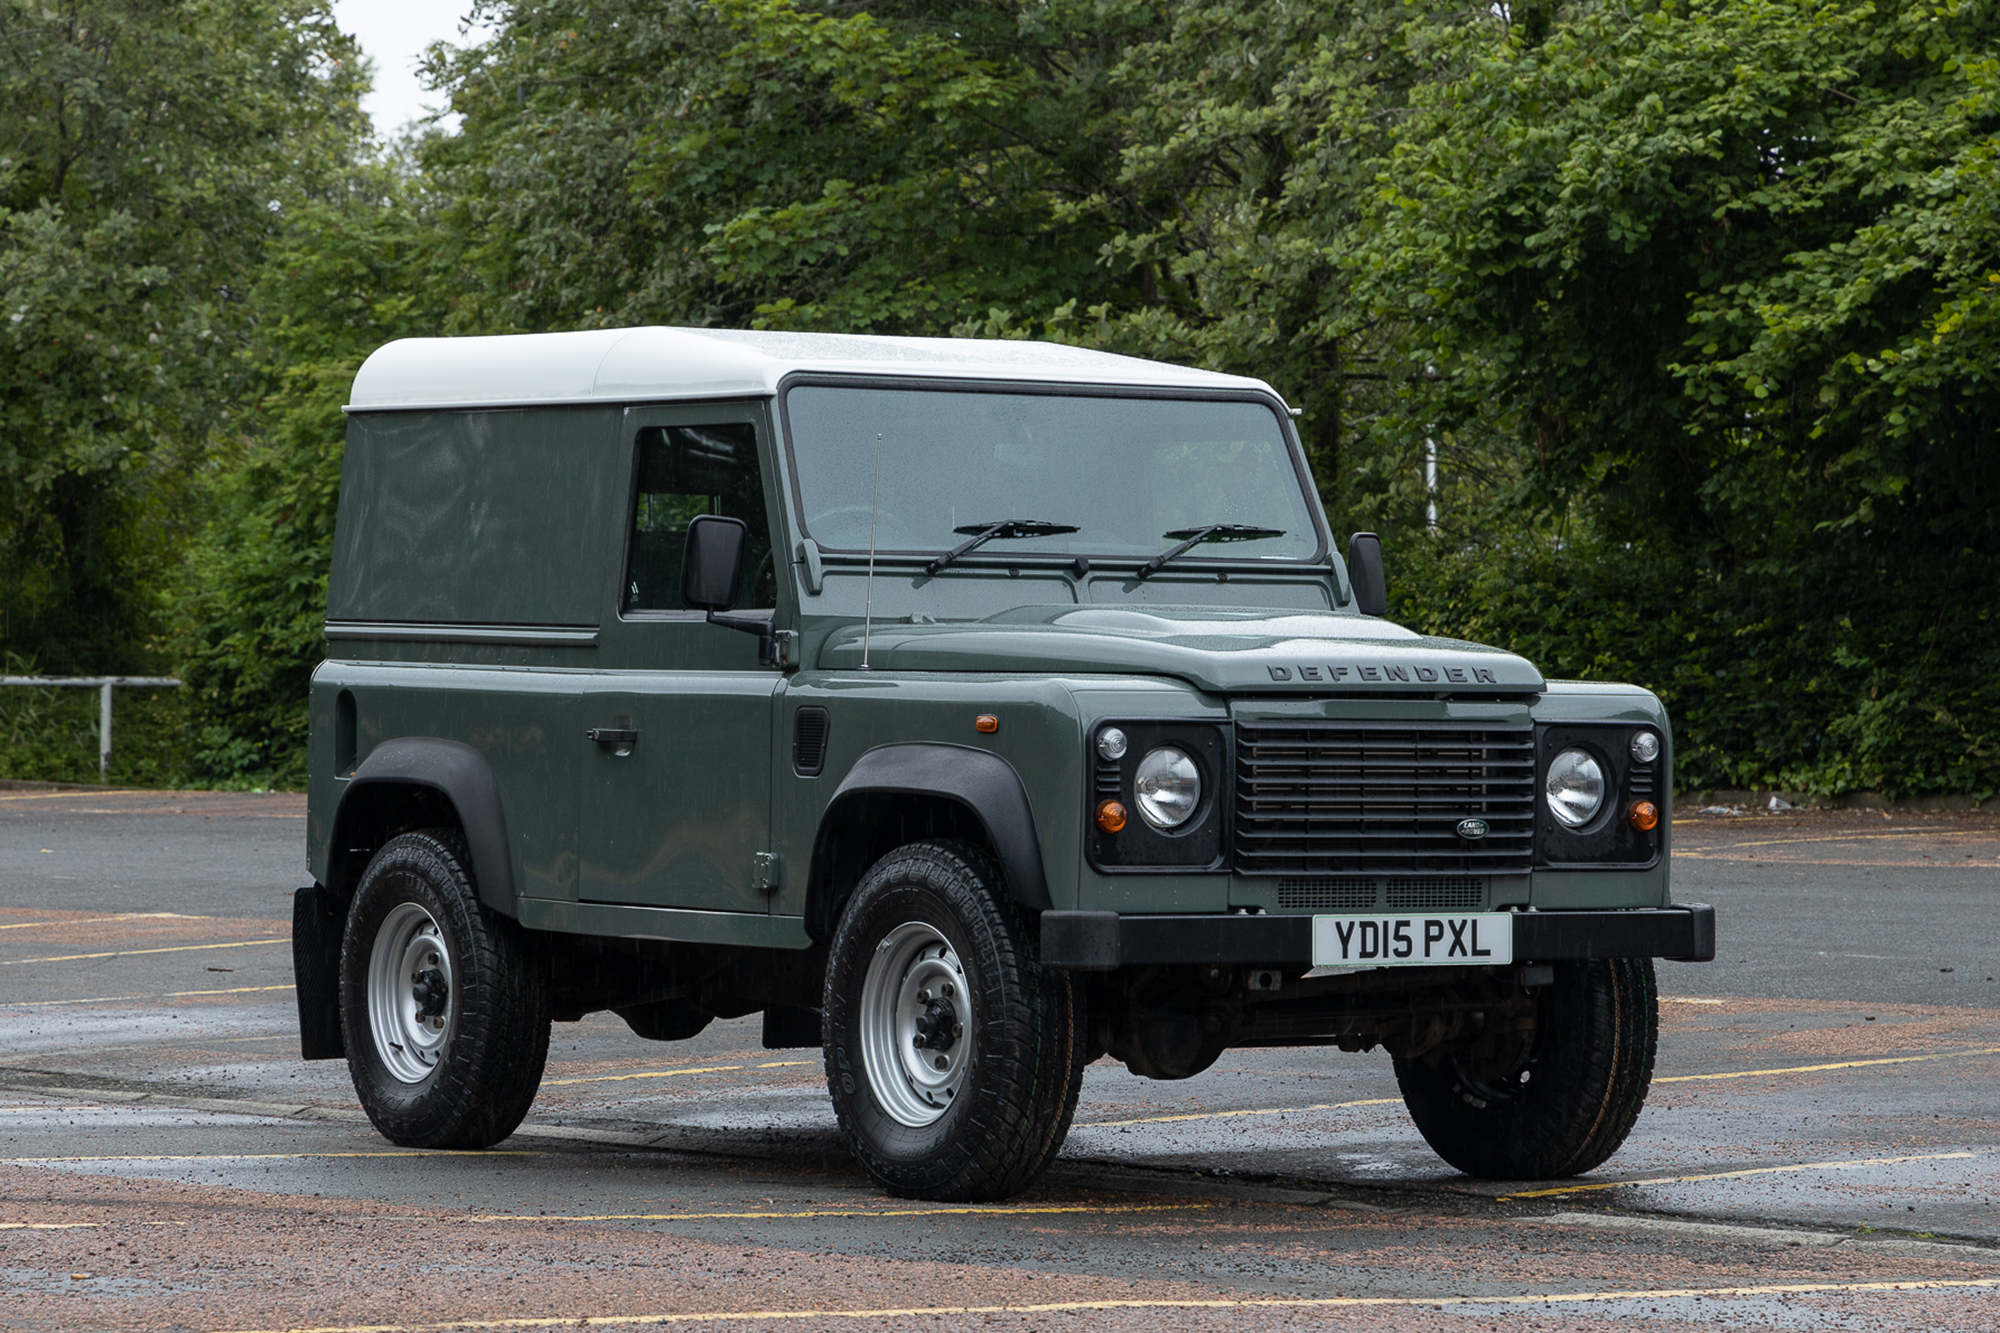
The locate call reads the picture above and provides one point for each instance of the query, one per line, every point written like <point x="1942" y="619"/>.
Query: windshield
<point x="1123" y="471"/>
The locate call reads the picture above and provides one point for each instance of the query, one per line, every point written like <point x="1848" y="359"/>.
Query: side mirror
<point x="712" y="563"/>
<point x="1364" y="566"/>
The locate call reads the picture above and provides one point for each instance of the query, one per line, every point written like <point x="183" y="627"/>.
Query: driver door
<point x="675" y="815"/>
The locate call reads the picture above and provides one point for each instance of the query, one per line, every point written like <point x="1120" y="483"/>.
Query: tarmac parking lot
<point x="1821" y="1147"/>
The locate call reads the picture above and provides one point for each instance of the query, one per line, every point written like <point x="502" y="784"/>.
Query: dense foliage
<point x="1719" y="277"/>
<point x="147" y="147"/>
<point x="1696" y="301"/>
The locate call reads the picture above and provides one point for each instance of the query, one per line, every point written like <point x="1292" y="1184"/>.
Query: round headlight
<point x="1574" y="788"/>
<point x="1167" y="788"/>
<point x="1111" y="743"/>
<point x="1645" y="746"/>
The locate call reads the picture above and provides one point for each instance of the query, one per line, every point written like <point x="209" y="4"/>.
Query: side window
<point x="685" y="471"/>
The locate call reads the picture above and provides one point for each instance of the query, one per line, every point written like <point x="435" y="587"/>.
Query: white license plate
<point x="1476" y="938"/>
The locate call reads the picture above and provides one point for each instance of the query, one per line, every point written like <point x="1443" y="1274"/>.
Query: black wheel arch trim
<point x="458" y="773"/>
<point x="985" y="785"/>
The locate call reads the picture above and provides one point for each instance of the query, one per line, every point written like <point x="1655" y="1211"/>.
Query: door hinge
<point x="769" y="872"/>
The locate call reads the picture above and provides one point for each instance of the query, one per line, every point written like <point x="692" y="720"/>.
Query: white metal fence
<point x="104" y="684"/>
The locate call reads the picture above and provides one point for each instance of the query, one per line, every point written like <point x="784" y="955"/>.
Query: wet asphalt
<point x="1820" y="1149"/>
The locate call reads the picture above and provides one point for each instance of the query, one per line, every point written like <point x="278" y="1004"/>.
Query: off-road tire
<point x="496" y="1024"/>
<point x="1573" y="1097"/>
<point x="1025" y="1043"/>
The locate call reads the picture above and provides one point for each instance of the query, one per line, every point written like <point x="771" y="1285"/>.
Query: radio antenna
<point x="868" y="603"/>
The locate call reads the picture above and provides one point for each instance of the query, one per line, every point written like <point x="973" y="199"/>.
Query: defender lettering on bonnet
<point x="1308" y="672"/>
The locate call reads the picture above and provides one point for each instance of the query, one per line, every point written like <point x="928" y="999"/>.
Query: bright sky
<point x="394" y="33"/>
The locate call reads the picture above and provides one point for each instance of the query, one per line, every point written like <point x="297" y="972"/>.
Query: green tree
<point x="1718" y="276"/>
<point x="148" y="151"/>
<point x="349" y="270"/>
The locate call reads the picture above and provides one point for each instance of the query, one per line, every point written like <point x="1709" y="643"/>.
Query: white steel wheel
<point x="914" y="1016"/>
<point x="411" y="1000"/>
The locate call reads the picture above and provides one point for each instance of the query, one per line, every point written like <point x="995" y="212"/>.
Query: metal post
<point x="103" y="686"/>
<point x="1431" y="483"/>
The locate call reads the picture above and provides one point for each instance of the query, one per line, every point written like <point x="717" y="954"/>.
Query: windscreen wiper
<point x="1213" y="532"/>
<point x="1005" y="530"/>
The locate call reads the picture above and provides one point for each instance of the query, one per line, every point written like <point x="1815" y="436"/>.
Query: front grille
<point x="1350" y="893"/>
<point x="1334" y="798"/>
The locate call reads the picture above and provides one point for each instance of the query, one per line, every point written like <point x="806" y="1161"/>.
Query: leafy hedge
<point x="1849" y="677"/>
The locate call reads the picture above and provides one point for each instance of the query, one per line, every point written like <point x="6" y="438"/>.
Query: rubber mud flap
<point x="317" y="920"/>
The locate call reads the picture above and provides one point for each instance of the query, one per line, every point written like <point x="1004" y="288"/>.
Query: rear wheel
<point x="954" y="1060"/>
<point x="1572" y="1096"/>
<point x="444" y="1004"/>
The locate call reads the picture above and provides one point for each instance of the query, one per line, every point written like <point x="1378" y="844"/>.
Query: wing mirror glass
<point x="712" y="563"/>
<point x="1364" y="566"/>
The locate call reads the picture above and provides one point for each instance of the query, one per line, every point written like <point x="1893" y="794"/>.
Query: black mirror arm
<point x="767" y="637"/>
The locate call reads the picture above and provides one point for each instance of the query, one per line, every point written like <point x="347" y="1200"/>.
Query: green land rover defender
<point x="972" y="710"/>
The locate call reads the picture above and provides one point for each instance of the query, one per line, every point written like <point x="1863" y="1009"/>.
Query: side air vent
<point x="809" y="727"/>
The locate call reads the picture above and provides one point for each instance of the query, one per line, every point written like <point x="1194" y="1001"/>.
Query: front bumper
<point x="1106" y="941"/>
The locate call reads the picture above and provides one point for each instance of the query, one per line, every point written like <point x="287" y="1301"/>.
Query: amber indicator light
<point x="1645" y="816"/>
<point x="1110" y="816"/>
<point x="986" y="722"/>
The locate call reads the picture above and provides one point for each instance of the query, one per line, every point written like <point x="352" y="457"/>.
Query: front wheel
<point x="953" y="1059"/>
<point x="444" y="1004"/>
<point x="1572" y="1096"/>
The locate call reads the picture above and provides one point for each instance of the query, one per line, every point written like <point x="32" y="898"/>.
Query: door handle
<point x="624" y="738"/>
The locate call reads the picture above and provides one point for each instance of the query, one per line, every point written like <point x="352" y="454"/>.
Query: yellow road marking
<point x="59" y="795"/>
<point x="1839" y="1064"/>
<point x="1733" y="1175"/>
<point x="169" y="995"/>
<point x="670" y="1073"/>
<point x="1934" y="863"/>
<point x="277" y="1156"/>
<point x="1677" y="1078"/>
<point x="97" y="920"/>
<point x="1244" y="1303"/>
<point x="123" y="953"/>
<point x="142" y="795"/>
<point x="48" y="1226"/>
<point x="1877" y="836"/>
<point x="1687" y="999"/>
<point x="1230" y="1115"/>
<point x="1000" y="1210"/>
<point x="232" y="990"/>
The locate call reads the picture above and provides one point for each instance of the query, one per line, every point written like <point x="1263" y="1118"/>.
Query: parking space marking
<point x="1839" y="1064"/>
<point x="48" y="1226"/>
<point x="995" y="1210"/>
<point x="1140" y="1303"/>
<point x="1879" y="835"/>
<point x="128" y="953"/>
<point x="168" y="995"/>
<point x="1734" y="1175"/>
<point x="98" y="920"/>
<point x="1675" y="1078"/>
<point x="72" y="795"/>
<point x="670" y="1073"/>
<point x="276" y="1156"/>
<point x="1228" y="1115"/>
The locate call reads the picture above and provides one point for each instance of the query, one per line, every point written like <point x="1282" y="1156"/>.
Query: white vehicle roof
<point x="636" y="365"/>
